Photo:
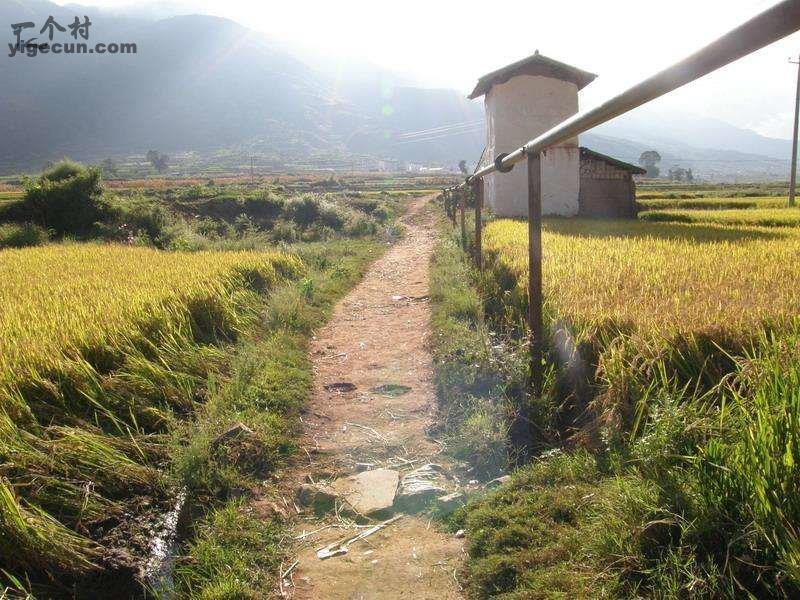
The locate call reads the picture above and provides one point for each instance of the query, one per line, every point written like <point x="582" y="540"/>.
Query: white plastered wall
<point x="517" y="111"/>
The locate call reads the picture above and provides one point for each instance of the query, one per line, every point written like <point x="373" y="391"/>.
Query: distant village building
<point x="524" y="100"/>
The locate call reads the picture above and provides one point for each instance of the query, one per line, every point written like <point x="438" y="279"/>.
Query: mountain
<point x="670" y="128"/>
<point x="714" y="149"/>
<point x="204" y="83"/>
<point x="208" y="85"/>
<point x="712" y="164"/>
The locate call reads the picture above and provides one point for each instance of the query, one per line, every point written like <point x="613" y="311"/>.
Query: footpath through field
<point x="365" y="428"/>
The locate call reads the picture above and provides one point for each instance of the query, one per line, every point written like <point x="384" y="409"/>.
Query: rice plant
<point x="688" y="334"/>
<point x="101" y="348"/>
<point x="751" y="217"/>
<point x="653" y="278"/>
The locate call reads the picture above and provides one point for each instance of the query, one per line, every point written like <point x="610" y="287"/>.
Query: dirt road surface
<point x="377" y="336"/>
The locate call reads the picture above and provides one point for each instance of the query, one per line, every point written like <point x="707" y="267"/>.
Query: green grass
<point x="233" y="553"/>
<point x="471" y="382"/>
<point x="752" y="217"/>
<point x="699" y="502"/>
<point x="561" y="529"/>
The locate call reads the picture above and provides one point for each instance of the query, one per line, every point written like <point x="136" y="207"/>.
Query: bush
<point x="304" y="210"/>
<point x="139" y="216"/>
<point x="263" y="206"/>
<point x="22" y="236"/>
<point x="63" y="170"/>
<point x="66" y="199"/>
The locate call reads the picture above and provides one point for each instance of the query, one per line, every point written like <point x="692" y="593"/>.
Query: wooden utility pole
<point x="478" y="187"/>
<point x="793" y="178"/>
<point x="462" y="207"/>
<point x="535" y="272"/>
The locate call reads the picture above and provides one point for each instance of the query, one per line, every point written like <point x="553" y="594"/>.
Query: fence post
<point x="535" y="272"/>
<point x="462" y="207"/>
<point x="453" y="207"/>
<point x="478" y="186"/>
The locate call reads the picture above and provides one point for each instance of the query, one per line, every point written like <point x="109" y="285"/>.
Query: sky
<point x="443" y="43"/>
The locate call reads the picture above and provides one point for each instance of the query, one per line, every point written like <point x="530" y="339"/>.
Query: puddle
<point x="391" y="389"/>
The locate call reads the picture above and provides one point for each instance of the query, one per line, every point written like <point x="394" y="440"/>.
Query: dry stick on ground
<point x="342" y="546"/>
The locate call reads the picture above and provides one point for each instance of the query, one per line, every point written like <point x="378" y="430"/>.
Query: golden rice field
<point x="57" y="301"/>
<point x="708" y="202"/>
<point x="656" y="277"/>
<point x="753" y="217"/>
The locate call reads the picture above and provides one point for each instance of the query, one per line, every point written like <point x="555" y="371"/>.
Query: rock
<point x="341" y="387"/>
<point x="305" y="494"/>
<point x="315" y="496"/>
<point x="233" y="432"/>
<point x="451" y="502"/>
<point x="460" y="534"/>
<point x="368" y="492"/>
<point x="419" y="487"/>
<point x="361" y="467"/>
<point x="496" y="483"/>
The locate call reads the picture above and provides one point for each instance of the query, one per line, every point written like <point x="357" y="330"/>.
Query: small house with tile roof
<point x="524" y="100"/>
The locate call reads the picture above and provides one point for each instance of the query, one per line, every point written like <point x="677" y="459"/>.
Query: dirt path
<point x="378" y="335"/>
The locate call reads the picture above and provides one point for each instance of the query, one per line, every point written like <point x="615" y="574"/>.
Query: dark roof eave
<point x="613" y="161"/>
<point x="549" y="67"/>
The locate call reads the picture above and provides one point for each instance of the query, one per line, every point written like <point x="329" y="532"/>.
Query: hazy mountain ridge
<point x="204" y="83"/>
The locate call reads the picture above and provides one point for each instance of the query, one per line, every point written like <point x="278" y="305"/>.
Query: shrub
<point x="285" y="231"/>
<point x="22" y="236"/>
<point x="66" y="199"/>
<point x="140" y="215"/>
<point x="304" y="210"/>
<point x="264" y="206"/>
<point x="63" y="170"/>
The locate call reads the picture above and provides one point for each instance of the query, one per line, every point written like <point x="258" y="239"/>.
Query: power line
<point x="422" y="132"/>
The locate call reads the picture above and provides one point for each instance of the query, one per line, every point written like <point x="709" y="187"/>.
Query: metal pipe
<point x="770" y="26"/>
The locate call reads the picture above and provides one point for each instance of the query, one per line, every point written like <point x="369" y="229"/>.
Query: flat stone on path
<point x="368" y="492"/>
<point x="420" y="486"/>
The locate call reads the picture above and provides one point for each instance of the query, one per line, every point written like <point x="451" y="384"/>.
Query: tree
<point x="159" y="161"/>
<point x="649" y="160"/>
<point x="462" y="166"/>
<point x="677" y="174"/>
<point x="109" y="168"/>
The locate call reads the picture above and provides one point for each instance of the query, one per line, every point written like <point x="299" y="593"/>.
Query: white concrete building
<point x="523" y="100"/>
